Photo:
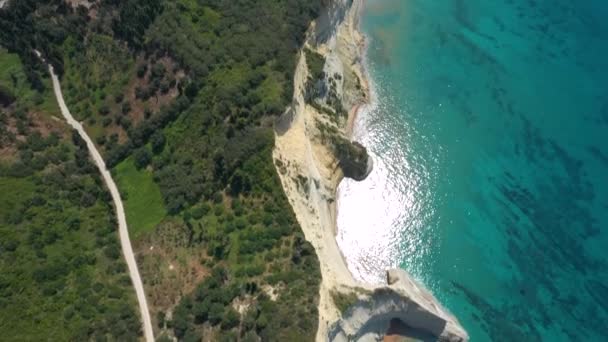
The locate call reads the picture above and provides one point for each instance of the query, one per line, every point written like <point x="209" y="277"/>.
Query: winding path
<point x="120" y="212"/>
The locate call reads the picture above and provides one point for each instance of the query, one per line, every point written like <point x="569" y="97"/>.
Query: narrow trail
<point x="120" y="212"/>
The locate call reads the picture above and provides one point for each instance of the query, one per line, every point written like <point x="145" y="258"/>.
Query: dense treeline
<point x="208" y="158"/>
<point x="216" y="168"/>
<point x="61" y="272"/>
<point x="242" y="54"/>
<point x="255" y="245"/>
<point x="42" y="25"/>
<point x="60" y="260"/>
<point x="93" y="50"/>
<point x="134" y="17"/>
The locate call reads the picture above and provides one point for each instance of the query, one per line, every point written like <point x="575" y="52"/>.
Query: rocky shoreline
<point x="313" y="153"/>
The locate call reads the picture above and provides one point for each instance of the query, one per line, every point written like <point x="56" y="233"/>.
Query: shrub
<point x="141" y="70"/>
<point x="142" y="158"/>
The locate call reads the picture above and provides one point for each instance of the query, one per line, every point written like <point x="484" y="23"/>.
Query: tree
<point x="240" y="182"/>
<point x="158" y="71"/>
<point x="160" y="318"/>
<point x="106" y="121"/>
<point x="191" y="336"/>
<point x="216" y="313"/>
<point x="164" y="338"/>
<point x="104" y="110"/>
<point x="87" y="199"/>
<point x="112" y="252"/>
<point x="180" y="321"/>
<point x="231" y="319"/>
<point x="201" y="311"/>
<point x="126" y="108"/>
<point x="157" y="140"/>
<point x="73" y="223"/>
<point x="141" y="70"/>
<point x="142" y="158"/>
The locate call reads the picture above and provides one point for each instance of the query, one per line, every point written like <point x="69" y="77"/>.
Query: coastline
<point x="299" y="153"/>
<point x="310" y="171"/>
<point x="359" y="66"/>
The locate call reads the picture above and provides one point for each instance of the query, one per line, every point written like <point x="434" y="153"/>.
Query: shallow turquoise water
<point x="490" y="138"/>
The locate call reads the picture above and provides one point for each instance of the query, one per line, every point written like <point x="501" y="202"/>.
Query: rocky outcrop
<point x="354" y="160"/>
<point x="334" y="14"/>
<point x="342" y="89"/>
<point x="403" y="300"/>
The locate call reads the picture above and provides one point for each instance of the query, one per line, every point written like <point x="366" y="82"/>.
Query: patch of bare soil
<point x="170" y="267"/>
<point x="15" y="130"/>
<point x="86" y="3"/>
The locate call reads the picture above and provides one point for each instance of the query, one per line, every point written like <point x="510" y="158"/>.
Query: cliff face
<point x="354" y="160"/>
<point x="312" y="154"/>
<point x="312" y="149"/>
<point x="344" y="88"/>
<point x="404" y="308"/>
<point x="336" y="35"/>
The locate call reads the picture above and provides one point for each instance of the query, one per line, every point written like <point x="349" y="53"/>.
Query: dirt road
<point x="120" y="212"/>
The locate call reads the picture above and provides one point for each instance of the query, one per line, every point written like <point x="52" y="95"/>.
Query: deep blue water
<point x="490" y="137"/>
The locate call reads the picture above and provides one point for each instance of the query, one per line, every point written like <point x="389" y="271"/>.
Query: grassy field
<point x="143" y="202"/>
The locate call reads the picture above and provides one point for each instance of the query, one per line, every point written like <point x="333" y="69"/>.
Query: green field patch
<point x="142" y="198"/>
<point x="13" y="79"/>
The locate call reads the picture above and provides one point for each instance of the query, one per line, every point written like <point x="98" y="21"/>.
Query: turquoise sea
<point x="489" y="132"/>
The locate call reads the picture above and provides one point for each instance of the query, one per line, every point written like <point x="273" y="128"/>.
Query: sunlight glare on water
<point x="488" y="135"/>
<point x="381" y="219"/>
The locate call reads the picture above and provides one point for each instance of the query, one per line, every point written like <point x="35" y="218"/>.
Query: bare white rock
<point x="403" y="299"/>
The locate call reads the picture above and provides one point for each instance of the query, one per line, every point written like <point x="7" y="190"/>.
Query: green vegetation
<point x="333" y="101"/>
<point x="141" y="196"/>
<point x="243" y="76"/>
<point x="217" y="170"/>
<point x="208" y="148"/>
<point x="352" y="156"/>
<point x="17" y="101"/>
<point x="94" y="73"/>
<point x="37" y="25"/>
<point x="317" y="95"/>
<point x="254" y="241"/>
<point x="343" y="300"/>
<point x="315" y="62"/>
<point x="61" y="272"/>
<point x="315" y="83"/>
<point x="14" y="84"/>
<point x="134" y="17"/>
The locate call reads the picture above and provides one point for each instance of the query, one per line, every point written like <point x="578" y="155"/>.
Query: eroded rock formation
<point x="404" y="300"/>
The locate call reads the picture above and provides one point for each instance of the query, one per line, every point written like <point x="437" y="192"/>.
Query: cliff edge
<point x="313" y="153"/>
<point x="403" y="308"/>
